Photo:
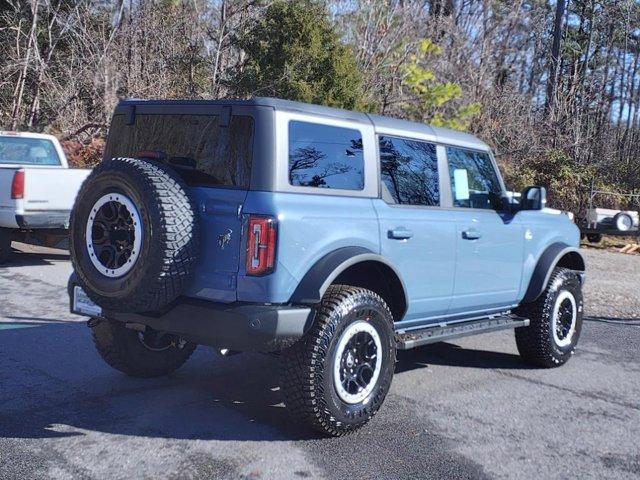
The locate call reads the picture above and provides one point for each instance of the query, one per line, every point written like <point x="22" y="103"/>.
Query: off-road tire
<point x="167" y="256"/>
<point x="122" y="349"/>
<point x="307" y="376"/>
<point x="536" y="343"/>
<point x="5" y="245"/>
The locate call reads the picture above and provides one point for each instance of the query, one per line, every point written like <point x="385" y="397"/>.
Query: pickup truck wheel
<point x="139" y="354"/>
<point x="134" y="235"/>
<point x="337" y="376"/>
<point x="623" y="221"/>
<point x="594" y="237"/>
<point x="556" y="321"/>
<point x="5" y="245"/>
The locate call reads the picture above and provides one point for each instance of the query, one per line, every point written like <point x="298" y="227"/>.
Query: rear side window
<point x="474" y="181"/>
<point x="205" y="152"/>
<point x="324" y="156"/>
<point x="409" y="171"/>
<point x="28" y="151"/>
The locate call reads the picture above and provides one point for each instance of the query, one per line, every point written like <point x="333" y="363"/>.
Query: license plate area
<point x="82" y="305"/>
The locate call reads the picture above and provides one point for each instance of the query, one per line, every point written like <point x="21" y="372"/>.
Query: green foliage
<point x="460" y="119"/>
<point x="435" y="99"/>
<point x="293" y="51"/>
<point x="566" y="180"/>
<point x="170" y="4"/>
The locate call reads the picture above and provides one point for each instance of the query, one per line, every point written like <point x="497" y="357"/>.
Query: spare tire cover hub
<point x="114" y="234"/>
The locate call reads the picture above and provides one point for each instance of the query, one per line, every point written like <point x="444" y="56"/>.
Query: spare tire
<point x="134" y="235"/>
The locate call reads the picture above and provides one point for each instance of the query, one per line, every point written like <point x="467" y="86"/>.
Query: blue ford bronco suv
<point x="329" y="237"/>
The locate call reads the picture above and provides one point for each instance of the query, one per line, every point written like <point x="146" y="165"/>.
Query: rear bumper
<point x="239" y="326"/>
<point x="44" y="219"/>
<point x="245" y="327"/>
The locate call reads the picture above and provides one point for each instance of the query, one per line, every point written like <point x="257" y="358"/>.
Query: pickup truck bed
<point x="49" y="193"/>
<point x="37" y="190"/>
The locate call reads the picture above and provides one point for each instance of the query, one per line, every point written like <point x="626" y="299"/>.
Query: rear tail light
<point x="152" y="154"/>
<point x="17" y="185"/>
<point x="261" y="245"/>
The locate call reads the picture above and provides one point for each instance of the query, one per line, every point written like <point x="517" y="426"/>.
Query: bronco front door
<point x="489" y="240"/>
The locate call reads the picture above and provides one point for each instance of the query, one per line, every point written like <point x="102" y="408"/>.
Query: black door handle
<point x="400" y="233"/>
<point x="471" y="234"/>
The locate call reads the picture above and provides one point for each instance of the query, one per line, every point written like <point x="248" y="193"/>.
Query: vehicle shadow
<point x="20" y="258"/>
<point x="53" y="384"/>
<point x="453" y="355"/>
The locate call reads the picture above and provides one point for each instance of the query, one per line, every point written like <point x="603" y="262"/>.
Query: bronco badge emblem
<point x="224" y="239"/>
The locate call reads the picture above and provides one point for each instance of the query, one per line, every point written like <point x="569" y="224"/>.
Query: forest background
<point x="553" y="87"/>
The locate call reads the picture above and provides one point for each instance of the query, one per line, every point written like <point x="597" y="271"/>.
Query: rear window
<point x="205" y="152"/>
<point x="324" y="156"/>
<point x="28" y="151"/>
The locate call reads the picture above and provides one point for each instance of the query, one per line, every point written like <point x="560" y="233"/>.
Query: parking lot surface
<point x="465" y="409"/>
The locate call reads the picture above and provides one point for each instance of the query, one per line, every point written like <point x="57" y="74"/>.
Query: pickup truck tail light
<point x="17" y="185"/>
<point x="261" y="245"/>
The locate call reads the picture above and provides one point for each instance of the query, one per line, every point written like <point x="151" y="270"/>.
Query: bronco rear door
<point x="416" y="234"/>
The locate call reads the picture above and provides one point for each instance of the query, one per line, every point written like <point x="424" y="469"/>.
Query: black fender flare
<point x="550" y="258"/>
<point x="321" y="275"/>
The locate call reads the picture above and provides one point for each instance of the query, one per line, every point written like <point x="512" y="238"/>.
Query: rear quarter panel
<point x="541" y="229"/>
<point x="309" y="227"/>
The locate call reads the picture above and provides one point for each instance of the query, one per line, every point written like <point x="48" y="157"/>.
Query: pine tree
<point x="293" y="51"/>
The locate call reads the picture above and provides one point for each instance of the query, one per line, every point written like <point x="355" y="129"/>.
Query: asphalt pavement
<point x="463" y="409"/>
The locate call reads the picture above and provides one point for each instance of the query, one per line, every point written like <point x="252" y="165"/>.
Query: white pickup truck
<point x="37" y="191"/>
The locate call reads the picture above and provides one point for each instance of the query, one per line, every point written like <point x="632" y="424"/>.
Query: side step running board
<point x="441" y="332"/>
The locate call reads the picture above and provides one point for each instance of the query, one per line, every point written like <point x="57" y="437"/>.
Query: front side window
<point x="474" y="181"/>
<point x="409" y="171"/>
<point x="28" y="151"/>
<point x="324" y="156"/>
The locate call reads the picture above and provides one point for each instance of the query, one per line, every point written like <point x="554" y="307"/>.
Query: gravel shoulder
<point x="463" y="409"/>
<point x="612" y="284"/>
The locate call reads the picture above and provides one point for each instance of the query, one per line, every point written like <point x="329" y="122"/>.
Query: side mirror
<point x="533" y="198"/>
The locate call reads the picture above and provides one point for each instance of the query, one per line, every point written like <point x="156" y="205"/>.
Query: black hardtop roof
<point x="378" y="121"/>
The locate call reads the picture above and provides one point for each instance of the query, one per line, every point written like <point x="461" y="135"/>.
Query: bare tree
<point x="552" y="80"/>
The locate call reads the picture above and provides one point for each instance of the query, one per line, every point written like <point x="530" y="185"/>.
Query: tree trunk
<point x="22" y="79"/>
<point x="552" y="81"/>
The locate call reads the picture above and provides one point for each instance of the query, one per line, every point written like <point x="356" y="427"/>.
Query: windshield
<point x="27" y="151"/>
